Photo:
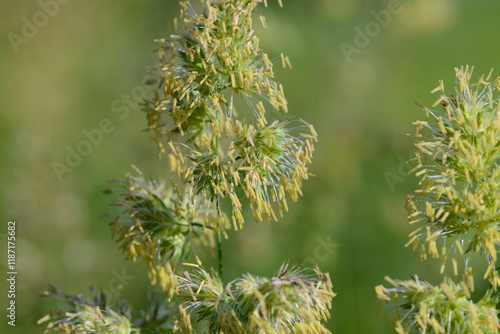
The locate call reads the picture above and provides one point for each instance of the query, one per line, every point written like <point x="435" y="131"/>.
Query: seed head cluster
<point x="457" y="157"/>
<point x="149" y="227"/>
<point x="212" y="60"/>
<point x="455" y="211"/>
<point x="445" y="308"/>
<point x="292" y="301"/>
<point x="219" y="163"/>
<point x="82" y="316"/>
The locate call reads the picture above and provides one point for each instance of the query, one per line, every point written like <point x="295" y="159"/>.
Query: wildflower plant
<point x="80" y="315"/>
<point x="455" y="210"/>
<point x="218" y="160"/>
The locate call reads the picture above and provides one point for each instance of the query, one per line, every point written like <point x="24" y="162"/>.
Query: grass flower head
<point x="293" y="301"/>
<point x="445" y="308"/>
<point x="457" y="157"/>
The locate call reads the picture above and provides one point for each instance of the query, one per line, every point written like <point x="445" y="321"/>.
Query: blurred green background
<point x="73" y="71"/>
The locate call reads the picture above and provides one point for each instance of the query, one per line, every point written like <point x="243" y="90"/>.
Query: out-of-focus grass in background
<point x="67" y="77"/>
